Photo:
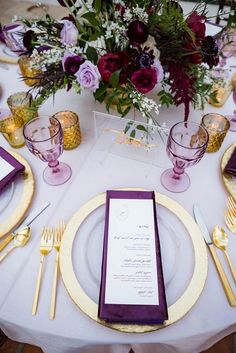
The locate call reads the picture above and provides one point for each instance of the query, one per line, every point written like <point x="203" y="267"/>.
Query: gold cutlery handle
<point x="6" y="241"/>
<point x="54" y="289"/>
<point x="223" y="278"/>
<point x="38" y="284"/>
<point x="231" y="266"/>
<point x="7" y="252"/>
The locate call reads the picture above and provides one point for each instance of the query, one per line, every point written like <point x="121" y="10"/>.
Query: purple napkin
<point x="126" y="313"/>
<point x="9" y="168"/>
<point x="230" y="167"/>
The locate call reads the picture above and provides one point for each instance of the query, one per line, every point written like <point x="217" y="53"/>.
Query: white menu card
<point x="5" y="168"/>
<point x="131" y="276"/>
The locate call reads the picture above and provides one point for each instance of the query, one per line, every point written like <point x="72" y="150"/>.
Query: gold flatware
<point x="57" y="243"/>
<point x="28" y="220"/>
<point x="230" y="214"/>
<point x="20" y="240"/>
<point x="223" y="278"/>
<point x="220" y="239"/>
<point x="46" y="245"/>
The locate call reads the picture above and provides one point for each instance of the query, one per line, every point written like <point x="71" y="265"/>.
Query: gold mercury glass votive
<point x="11" y="128"/>
<point x="70" y="127"/>
<point x="217" y="126"/>
<point x="28" y="72"/>
<point x="20" y="104"/>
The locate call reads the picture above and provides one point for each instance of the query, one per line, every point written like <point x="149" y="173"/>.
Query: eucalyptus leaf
<point x="91" y="54"/>
<point x="91" y="18"/>
<point x="114" y="78"/>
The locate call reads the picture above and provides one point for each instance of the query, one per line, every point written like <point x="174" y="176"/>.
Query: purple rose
<point x="69" y="33"/>
<point x="88" y="76"/>
<point x="145" y="80"/>
<point x="71" y="62"/>
<point x="137" y="32"/>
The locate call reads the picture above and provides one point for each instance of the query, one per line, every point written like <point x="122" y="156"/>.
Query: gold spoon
<point x="220" y="239"/>
<point x="20" y="239"/>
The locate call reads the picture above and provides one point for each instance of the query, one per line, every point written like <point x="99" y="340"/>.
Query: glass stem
<point x="54" y="166"/>
<point x="177" y="172"/>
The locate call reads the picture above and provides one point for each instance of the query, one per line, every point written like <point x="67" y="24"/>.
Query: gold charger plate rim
<point x="27" y="194"/>
<point x="227" y="178"/>
<point x="175" y="311"/>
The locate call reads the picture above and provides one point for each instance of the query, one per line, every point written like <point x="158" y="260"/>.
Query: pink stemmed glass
<point x="186" y="145"/>
<point x="44" y="138"/>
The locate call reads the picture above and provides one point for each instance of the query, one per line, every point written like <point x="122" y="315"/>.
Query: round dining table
<point x="95" y="170"/>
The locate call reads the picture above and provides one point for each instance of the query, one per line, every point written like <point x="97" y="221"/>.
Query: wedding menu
<point x="132" y="286"/>
<point x="9" y="168"/>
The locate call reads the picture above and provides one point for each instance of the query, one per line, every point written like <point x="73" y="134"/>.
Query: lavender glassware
<point x="44" y="138"/>
<point x="186" y="145"/>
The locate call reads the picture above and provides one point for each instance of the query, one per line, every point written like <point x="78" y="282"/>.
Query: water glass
<point x="186" y="145"/>
<point x="44" y="138"/>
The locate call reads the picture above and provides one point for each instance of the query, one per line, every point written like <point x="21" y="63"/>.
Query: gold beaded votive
<point x="28" y="72"/>
<point x="21" y="106"/>
<point x="70" y="127"/>
<point x="12" y="129"/>
<point x="217" y="127"/>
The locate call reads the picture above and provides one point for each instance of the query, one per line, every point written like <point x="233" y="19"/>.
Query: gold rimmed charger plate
<point x="18" y="213"/>
<point x="175" y="311"/>
<point x="228" y="179"/>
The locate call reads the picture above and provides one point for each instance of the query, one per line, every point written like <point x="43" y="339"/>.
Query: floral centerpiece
<point x="122" y="50"/>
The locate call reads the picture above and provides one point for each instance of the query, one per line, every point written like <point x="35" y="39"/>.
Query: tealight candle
<point x="20" y="104"/>
<point x="217" y="126"/>
<point x="11" y="129"/>
<point x="71" y="129"/>
<point x="28" y="72"/>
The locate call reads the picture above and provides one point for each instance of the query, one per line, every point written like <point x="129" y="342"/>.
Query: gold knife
<point x="29" y="219"/>
<point x="223" y="278"/>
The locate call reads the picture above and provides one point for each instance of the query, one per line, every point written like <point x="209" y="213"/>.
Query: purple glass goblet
<point x="186" y="145"/>
<point x="44" y="138"/>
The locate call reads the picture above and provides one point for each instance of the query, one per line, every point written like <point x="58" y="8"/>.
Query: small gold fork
<point x="57" y="243"/>
<point x="46" y="245"/>
<point x="230" y="214"/>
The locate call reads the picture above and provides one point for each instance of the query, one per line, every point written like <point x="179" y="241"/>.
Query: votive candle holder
<point x="71" y="128"/>
<point x="217" y="127"/>
<point x="20" y="104"/>
<point x="12" y="129"/>
<point x="28" y="72"/>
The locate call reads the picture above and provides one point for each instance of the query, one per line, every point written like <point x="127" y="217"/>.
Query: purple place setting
<point x="186" y="145"/>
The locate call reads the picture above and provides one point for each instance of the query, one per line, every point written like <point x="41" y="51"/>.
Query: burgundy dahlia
<point x="28" y="40"/>
<point x="112" y="62"/>
<point x="144" y="80"/>
<point x="72" y="64"/>
<point x="137" y="32"/>
<point x="197" y="24"/>
<point x="210" y="51"/>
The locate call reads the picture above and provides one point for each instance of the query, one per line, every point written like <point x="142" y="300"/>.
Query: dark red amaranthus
<point x="182" y="87"/>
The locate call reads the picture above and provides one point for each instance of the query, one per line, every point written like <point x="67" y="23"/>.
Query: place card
<point x="132" y="287"/>
<point x="9" y="168"/>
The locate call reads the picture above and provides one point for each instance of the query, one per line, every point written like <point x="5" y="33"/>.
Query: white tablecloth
<point x="210" y="319"/>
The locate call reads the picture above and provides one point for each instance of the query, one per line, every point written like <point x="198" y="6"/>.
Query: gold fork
<point x="230" y="214"/>
<point x="57" y="243"/>
<point x="46" y="245"/>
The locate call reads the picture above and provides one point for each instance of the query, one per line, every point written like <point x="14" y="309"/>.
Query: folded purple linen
<point x="230" y="167"/>
<point x="10" y="167"/>
<point x="126" y="313"/>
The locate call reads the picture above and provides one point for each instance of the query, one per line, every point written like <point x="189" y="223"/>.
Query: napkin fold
<point x="126" y="313"/>
<point x="10" y="168"/>
<point x="230" y="167"/>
